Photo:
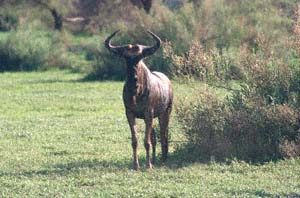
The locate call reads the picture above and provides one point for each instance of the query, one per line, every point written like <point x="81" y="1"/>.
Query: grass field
<point x="63" y="137"/>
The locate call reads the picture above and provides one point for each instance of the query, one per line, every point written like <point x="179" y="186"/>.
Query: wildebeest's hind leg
<point x="148" y="137"/>
<point x="163" y="123"/>
<point x="153" y="142"/>
<point x="134" y="140"/>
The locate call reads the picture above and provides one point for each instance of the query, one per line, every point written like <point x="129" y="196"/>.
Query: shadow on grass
<point x="74" y="167"/>
<point x="93" y="78"/>
<point x="85" y="79"/>
<point x="183" y="156"/>
<point x="187" y="154"/>
<point x="50" y="81"/>
<point x="263" y="193"/>
<point x="177" y="159"/>
<point x="90" y="164"/>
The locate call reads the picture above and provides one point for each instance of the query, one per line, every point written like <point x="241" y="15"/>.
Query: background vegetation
<point x="250" y="50"/>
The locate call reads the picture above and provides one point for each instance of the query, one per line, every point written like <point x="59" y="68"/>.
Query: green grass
<point x="61" y="137"/>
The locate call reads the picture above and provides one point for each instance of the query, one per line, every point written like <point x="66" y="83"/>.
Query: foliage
<point x="203" y="39"/>
<point x="27" y="49"/>
<point x="203" y="120"/>
<point x="277" y="80"/>
<point x="216" y="46"/>
<point x="201" y="65"/>
<point x="8" y="21"/>
<point x="162" y="24"/>
<point x="108" y="66"/>
<point x="257" y="129"/>
<point x="23" y="51"/>
<point x="242" y="126"/>
<point x="258" y="122"/>
<point x="261" y="120"/>
<point x="196" y="63"/>
<point x="105" y="65"/>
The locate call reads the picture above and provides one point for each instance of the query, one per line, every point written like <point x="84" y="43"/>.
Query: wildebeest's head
<point x="133" y="52"/>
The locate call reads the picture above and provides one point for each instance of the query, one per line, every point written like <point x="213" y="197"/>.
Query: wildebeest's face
<point x="132" y="51"/>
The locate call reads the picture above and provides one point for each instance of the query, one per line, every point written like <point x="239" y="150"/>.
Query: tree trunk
<point x="146" y="4"/>
<point x="58" y="19"/>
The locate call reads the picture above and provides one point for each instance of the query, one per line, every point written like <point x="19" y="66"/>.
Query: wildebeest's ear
<point x="147" y="51"/>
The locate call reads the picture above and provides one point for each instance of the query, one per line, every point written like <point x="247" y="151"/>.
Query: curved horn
<point x="147" y="51"/>
<point x="110" y="47"/>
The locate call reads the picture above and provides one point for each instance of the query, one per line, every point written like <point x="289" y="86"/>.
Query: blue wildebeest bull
<point x="146" y="95"/>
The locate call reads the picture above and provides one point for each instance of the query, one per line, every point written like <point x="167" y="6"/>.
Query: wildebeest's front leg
<point x="134" y="140"/>
<point x="148" y="136"/>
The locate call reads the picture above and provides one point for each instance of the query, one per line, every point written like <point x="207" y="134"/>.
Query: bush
<point x="105" y="65"/>
<point x="200" y="64"/>
<point x="272" y="72"/>
<point x="23" y="50"/>
<point x="108" y="66"/>
<point x="242" y="126"/>
<point x="203" y="121"/>
<point x="28" y="50"/>
<point x="290" y="148"/>
<point x="196" y="63"/>
<point x="257" y="129"/>
<point x="8" y="21"/>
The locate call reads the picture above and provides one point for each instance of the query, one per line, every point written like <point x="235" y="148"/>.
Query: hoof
<point x="153" y="161"/>
<point x="149" y="166"/>
<point x="136" y="166"/>
<point x="164" y="158"/>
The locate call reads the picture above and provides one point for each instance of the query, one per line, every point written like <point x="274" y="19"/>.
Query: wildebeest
<point x="146" y="95"/>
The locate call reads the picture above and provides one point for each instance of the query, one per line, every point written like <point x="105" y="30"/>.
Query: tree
<point x="146" y="4"/>
<point x="58" y="10"/>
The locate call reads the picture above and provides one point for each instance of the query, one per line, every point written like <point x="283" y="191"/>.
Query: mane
<point x="137" y="75"/>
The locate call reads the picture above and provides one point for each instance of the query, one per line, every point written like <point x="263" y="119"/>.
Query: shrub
<point x="105" y="65"/>
<point x="27" y="50"/>
<point x="203" y="121"/>
<point x="290" y="148"/>
<point x="8" y="21"/>
<point x="108" y="66"/>
<point x="242" y="126"/>
<point x="200" y="64"/>
<point x="256" y="130"/>
<point x="196" y="63"/>
<point x="23" y="50"/>
<point x="272" y="74"/>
